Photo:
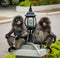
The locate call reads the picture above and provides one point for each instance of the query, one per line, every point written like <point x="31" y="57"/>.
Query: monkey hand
<point x="53" y="36"/>
<point x="49" y="49"/>
<point x="17" y="37"/>
<point x="54" y="39"/>
<point x="7" y="36"/>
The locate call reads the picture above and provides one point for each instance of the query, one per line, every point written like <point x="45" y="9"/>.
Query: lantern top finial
<point x="30" y="9"/>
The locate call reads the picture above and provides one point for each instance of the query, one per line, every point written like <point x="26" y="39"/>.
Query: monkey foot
<point x="11" y="48"/>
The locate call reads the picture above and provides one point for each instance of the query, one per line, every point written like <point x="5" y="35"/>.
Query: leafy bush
<point x="35" y="2"/>
<point x="10" y="56"/>
<point x="58" y="1"/>
<point x="39" y="2"/>
<point x="16" y="2"/>
<point x="25" y="3"/>
<point x="49" y="2"/>
<point x="43" y="2"/>
<point x="55" y="50"/>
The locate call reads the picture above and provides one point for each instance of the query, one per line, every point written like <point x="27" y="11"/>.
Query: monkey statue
<point x="43" y="34"/>
<point x="19" y="32"/>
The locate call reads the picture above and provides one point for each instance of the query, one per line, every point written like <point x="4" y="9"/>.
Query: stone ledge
<point x="37" y="8"/>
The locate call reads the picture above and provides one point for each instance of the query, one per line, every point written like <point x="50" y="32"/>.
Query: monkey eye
<point x="16" y="20"/>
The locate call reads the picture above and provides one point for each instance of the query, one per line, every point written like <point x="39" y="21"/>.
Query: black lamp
<point x="30" y="22"/>
<point x="30" y="19"/>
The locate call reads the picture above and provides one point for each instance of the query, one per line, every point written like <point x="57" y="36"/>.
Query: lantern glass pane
<point x="30" y="22"/>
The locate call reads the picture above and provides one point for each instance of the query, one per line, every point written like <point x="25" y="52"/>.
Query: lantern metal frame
<point x="30" y="14"/>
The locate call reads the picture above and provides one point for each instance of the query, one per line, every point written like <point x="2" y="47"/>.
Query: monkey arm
<point x="11" y="31"/>
<point x="25" y="34"/>
<point x="54" y="38"/>
<point x="21" y="35"/>
<point x="38" y="27"/>
<point x="24" y="31"/>
<point x="8" y="34"/>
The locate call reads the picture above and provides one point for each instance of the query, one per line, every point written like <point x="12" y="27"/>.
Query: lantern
<point x="30" y="19"/>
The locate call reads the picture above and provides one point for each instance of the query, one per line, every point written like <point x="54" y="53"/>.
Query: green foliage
<point x="55" y="50"/>
<point x="43" y="2"/>
<point x="10" y="56"/>
<point x="25" y="3"/>
<point x="35" y="2"/>
<point x="58" y="1"/>
<point x="16" y="2"/>
<point x="49" y="2"/>
<point x="39" y="2"/>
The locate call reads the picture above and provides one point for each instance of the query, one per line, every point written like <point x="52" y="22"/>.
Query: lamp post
<point x="30" y="22"/>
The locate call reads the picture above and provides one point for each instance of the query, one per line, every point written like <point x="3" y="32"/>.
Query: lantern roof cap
<point x="30" y="13"/>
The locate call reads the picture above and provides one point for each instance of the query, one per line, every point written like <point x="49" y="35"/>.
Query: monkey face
<point x="18" y="21"/>
<point x="44" y="22"/>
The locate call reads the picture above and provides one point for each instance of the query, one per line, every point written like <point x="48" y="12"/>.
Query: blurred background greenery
<point x="28" y="2"/>
<point x="38" y="2"/>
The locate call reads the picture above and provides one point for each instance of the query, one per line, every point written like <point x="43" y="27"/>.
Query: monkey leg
<point x="19" y="42"/>
<point x="49" y="41"/>
<point x="40" y="36"/>
<point x="9" y="43"/>
<point x="48" y="46"/>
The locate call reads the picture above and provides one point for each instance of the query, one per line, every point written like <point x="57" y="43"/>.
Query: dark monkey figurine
<point x="19" y="32"/>
<point x="43" y="33"/>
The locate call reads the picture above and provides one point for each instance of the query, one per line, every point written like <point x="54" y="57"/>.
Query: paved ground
<point x="4" y="18"/>
<point x="3" y="48"/>
<point x="55" y="23"/>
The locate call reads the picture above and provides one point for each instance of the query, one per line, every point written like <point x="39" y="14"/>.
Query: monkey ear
<point x="41" y="22"/>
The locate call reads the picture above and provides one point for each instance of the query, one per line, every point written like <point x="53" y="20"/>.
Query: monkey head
<point x="44" y="22"/>
<point x="18" y="21"/>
